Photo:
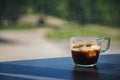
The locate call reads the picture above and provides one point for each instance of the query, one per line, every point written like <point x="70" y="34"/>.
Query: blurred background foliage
<point x="63" y="18"/>
<point x="105" y="12"/>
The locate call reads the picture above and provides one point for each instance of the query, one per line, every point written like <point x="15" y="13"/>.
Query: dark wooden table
<point x="107" y="68"/>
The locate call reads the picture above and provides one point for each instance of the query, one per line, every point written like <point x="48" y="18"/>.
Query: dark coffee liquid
<point x="85" y="57"/>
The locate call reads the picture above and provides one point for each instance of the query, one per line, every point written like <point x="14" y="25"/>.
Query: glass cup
<point x="85" y="50"/>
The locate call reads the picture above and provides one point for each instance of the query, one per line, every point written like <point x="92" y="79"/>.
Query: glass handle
<point x="105" y="44"/>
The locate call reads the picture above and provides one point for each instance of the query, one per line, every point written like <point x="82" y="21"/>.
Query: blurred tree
<point x="0" y="12"/>
<point x="95" y="11"/>
<point x="82" y="11"/>
<point x="11" y="10"/>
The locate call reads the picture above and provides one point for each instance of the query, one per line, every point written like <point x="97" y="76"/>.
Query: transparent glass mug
<point x="85" y="50"/>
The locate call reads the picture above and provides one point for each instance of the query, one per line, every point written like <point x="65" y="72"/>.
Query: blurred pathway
<point x="20" y="45"/>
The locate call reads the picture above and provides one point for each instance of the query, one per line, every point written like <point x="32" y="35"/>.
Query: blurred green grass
<point x="84" y="30"/>
<point x="18" y="27"/>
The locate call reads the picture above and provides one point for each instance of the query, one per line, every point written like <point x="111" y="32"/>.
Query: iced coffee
<point x="85" y="53"/>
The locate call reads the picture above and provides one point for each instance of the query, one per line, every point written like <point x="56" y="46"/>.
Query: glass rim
<point x="88" y="37"/>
